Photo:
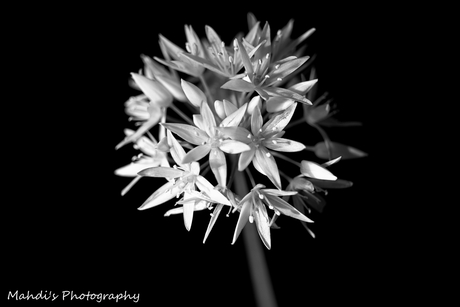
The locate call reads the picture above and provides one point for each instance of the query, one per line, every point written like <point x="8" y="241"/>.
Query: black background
<point x="66" y="226"/>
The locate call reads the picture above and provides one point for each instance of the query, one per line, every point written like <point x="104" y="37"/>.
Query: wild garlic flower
<point x="232" y="104"/>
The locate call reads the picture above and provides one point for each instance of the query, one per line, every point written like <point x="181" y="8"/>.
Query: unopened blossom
<point x="183" y="179"/>
<point x="262" y="138"/>
<point x="335" y="150"/>
<point x="252" y="208"/>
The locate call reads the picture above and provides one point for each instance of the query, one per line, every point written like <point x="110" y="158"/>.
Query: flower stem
<point x="181" y="114"/>
<point x="206" y="89"/>
<point x="263" y="289"/>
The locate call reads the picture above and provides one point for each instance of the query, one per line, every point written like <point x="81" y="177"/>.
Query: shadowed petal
<point x="331" y="184"/>
<point x="154" y="90"/>
<point x="279" y="91"/>
<point x="237" y="133"/>
<point x="196" y="153"/>
<point x="162" y="195"/>
<point x="277" y="104"/>
<point x="314" y="170"/>
<point x="346" y="152"/>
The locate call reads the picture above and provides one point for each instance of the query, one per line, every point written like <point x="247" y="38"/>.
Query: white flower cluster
<point x="234" y="103"/>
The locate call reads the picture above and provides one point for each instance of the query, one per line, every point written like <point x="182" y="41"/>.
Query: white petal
<point x="193" y="93"/>
<point x="314" y="170"/>
<point x="160" y="196"/>
<point x="205" y="186"/>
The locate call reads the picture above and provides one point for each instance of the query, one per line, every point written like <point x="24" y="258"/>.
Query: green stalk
<point x="263" y="289"/>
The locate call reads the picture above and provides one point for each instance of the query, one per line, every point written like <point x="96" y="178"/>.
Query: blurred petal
<point x="344" y="151"/>
<point x="331" y="162"/>
<point x="205" y="63"/>
<point x="329" y="184"/>
<point x="162" y="195"/>
<point x="189" y="133"/>
<point x="262" y="223"/>
<point x="303" y="87"/>
<point x="256" y="121"/>
<point x="279" y="122"/>
<point x="193" y="93"/>
<point x="152" y="121"/>
<point x="196" y="154"/>
<point x="219" y="107"/>
<point x="285" y="145"/>
<point x="286" y="208"/>
<point x="218" y="166"/>
<point x="173" y="86"/>
<point x="234" y="119"/>
<point x="233" y="147"/>
<point x="212" y="221"/>
<point x="131" y="169"/>
<point x="154" y="90"/>
<point x="165" y="172"/>
<point x="265" y="163"/>
<point x="278" y="104"/>
<point x="314" y="170"/>
<point x="244" y="216"/>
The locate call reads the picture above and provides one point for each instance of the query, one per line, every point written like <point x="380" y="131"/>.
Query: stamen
<point x="277" y="212"/>
<point x="266" y="76"/>
<point x="249" y="136"/>
<point x="277" y="66"/>
<point x="230" y="59"/>
<point x="261" y="196"/>
<point x="270" y="207"/>
<point x="274" y="142"/>
<point x="279" y="79"/>
<point x="251" y="219"/>
<point x="267" y="56"/>
<point x="268" y="155"/>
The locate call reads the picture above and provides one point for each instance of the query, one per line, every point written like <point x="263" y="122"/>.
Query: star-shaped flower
<point x="150" y="157"/>
<point x="183" y="179"/>
<point x="253" y="208"/>
<point x="261" y="138"/>
<point x="209" y="140"/>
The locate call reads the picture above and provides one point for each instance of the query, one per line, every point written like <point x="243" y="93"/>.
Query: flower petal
<point x="276" y="192"/>
<point x="219" y="107"/>
<point x="188" y="207"/>
<point x="201" y="205"/>
<point x="314" y="170"/>
<point x="329" y="184"/>
<point x="244" y="216"/>
<point x="279" y="91"/>
<point x="234" y="119"/>
<point x="154" y="90"/>
<point x="279" y="122"/>
<point x="165" y="172"/>
<point x="278" y="104"/>
<point x="238" y="85"/>
<point x="205" y="186"/>
<point x="265" y="163"/>
<point x="262" y="223"/>
<point x="245" y="158"/>
<point x="285" y="145"/>
<point x="233" y="147"/>
<point x="285" y="69"/>
<point x="286" y="208"/>
<point x="152" y="121"/>
<point x="337" y="149"/>
<point x="206" y="64"/>
<point x="193" y="93"/>
<point x="245" y="58"/>
<point x="256" y="101"/>
<point x="237" y="133"/>
<point x="177" y="152"/>
<point x="189" y="133"/>
<point x="218" y="166"/>
<point x="256" y="121"/>
<point x="212" y="221"/>
<point x="163" y="194"/>
<point x="208" y="119"/>
<point x="196" y="154"/>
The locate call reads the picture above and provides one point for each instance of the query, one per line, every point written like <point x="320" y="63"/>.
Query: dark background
<point x="66" y="226"/>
